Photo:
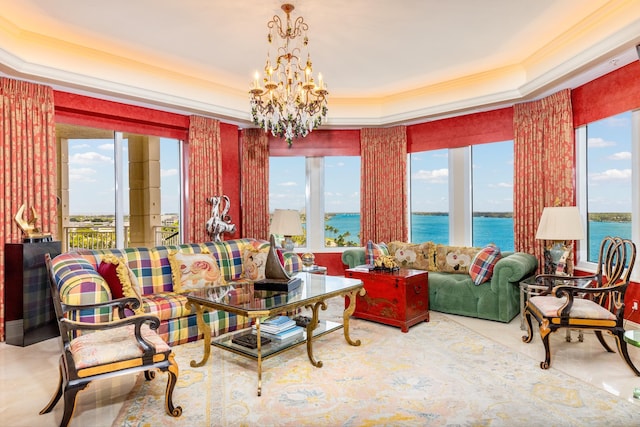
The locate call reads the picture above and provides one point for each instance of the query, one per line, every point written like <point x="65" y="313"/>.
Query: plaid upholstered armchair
<point x="93" y="351"/>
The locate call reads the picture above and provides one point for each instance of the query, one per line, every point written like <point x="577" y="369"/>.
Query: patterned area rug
<point x="438" y="374"/>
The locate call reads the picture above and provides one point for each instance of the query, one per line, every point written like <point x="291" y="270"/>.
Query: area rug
<point x="439" y="374"/>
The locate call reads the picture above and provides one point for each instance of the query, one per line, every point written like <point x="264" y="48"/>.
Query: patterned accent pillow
<point x="414" y="255"/>
<point x="483" y="263"/>
<point x="194" y="271"/>
<point x="120" y="278"/>
<point x="375" y="250"/>
<point x="454" y="259"/>
<point x="254" y="263"/>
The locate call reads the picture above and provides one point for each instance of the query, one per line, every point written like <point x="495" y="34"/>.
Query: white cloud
<point x="599" y="143"/>
<point x="617" y="122"/>
<point x="502" y="185"/>
<point x="288" y="184"/>
<point x="89" y="157"/>
<point x="106" y="147"/>
<point x="436" y="176"/>
<point x="82" y="175"/>
<point x="622" y="155"/>
<point x="611" y="175"/>
<point x="168" y="172"/>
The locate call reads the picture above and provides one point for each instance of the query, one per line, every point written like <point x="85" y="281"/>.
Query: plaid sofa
<point x="79" y="283"/>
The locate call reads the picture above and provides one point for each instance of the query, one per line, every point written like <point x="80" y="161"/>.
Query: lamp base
<point x="288" y="243"/>
<point x="557" y="260"/>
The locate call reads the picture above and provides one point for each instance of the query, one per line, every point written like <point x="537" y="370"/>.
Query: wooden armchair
<point x="105" y="350"/>
<point x="586" y="302"/>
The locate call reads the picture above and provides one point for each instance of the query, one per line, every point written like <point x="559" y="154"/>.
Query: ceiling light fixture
<point x="290" y="104"/>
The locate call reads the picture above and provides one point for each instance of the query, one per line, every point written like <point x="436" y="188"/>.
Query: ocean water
<point x="486" y="230"/>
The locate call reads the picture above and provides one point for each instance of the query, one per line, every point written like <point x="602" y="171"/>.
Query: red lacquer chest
<point x="399" y="298"/>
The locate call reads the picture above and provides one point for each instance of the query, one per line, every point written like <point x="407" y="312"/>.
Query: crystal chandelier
<point x="290" y="104"/>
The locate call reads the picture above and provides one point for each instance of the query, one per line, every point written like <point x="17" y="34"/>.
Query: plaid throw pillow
<point x="375" y="250"/>
<point x="483" y="263"/>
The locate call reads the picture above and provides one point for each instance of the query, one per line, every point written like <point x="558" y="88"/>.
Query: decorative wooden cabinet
<point x="399" y="298"/>
<point x="29" y="314"/>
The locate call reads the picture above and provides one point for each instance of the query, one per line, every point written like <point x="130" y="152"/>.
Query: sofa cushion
<point x="483" y="263"/>
<point x="194" y="271"/>
<point x="454" y="259"/>
<point x="254" y="263"/>
<point x="375" y="250"/>
<point x="121" y="280"/>
<point x="420" y="256"/>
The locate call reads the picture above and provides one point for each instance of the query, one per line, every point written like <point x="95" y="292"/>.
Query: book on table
<point x="287" y="334"/>
<point x="276" y="324"/>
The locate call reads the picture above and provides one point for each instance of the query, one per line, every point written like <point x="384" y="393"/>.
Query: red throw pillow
<point x="108" y="272"/>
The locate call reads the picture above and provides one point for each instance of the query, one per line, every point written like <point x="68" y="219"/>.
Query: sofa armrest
<point x="512" y="269"/>
<point x="353" y="257"/>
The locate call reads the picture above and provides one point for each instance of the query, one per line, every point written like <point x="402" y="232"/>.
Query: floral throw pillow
<point x="483" y="263"/>
<point x="454" y="259"/>
<point x="375" y="250"/>
<point x="194" y="271"/>
<point x="254" y="263"/>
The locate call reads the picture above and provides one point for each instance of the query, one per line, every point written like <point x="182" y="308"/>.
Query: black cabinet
<point x="29" y="314"/>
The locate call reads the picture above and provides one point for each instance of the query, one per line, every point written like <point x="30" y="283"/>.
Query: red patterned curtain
<point x="205" y="173"/>
<point x="383" y="184"/>
<point x="254" y="187"/>
<point x="544" y="159"/>
<point x="28" y="152"/>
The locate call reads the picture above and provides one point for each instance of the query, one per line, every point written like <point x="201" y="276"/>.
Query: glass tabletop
<point x="243" y="296"/>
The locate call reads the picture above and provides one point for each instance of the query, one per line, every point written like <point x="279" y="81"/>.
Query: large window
<point x="463" y="196"/>
<point x="123" y="189"/>
<point x="606" y="189"/>
<point x="326" y="192"/>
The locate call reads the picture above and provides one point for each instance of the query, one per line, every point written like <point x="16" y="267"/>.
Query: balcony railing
<point x="105" y="237"/>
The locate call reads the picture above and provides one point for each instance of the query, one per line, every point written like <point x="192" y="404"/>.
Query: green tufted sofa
<point x="497" y="299"/>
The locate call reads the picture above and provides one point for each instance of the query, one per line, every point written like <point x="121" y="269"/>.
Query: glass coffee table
<point x="243" y="300"/>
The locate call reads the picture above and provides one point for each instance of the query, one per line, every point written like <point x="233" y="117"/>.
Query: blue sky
<point x="91" y="176"/>
<point x="609" y="164"/>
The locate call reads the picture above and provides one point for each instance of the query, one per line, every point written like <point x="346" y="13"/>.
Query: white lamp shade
<point x="286" y="222"/>
<point x="560" y="223"/>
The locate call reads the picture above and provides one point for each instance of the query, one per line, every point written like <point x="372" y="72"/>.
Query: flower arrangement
<point x="385" y="262"/>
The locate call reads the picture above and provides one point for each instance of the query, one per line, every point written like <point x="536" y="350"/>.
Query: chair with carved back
<point x="94" y="351"/>
<point x="594" y="302"/>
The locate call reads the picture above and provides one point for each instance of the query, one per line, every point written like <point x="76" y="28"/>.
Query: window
<point x="326" y="192"/>
<point x="492" y="174"/>
<point x="605" y="150"/>
<point x="123" y="189"/>
<point x="453" y="202"/>
<point x="429" y="196"/>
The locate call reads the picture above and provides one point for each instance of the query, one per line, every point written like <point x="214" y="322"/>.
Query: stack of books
<point x="280" y="328"/>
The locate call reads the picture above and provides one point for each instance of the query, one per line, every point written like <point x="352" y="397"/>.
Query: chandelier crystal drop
<point x="287" y="100"/>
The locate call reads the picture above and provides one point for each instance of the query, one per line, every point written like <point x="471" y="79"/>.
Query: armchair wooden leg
<point x="545" y="332"/>
<point x="70" y="395"/>
<point x="58" y="394"/>
<point x="603" y="342"/>
<point x="172" y="379"/>
<point x="527" y="338"/>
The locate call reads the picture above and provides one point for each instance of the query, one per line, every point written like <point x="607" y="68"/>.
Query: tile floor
<point x="29" y="375"/>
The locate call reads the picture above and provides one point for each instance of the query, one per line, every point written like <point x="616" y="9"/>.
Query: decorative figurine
<point x="29" y="229"/>
<point x="219" y="222"/>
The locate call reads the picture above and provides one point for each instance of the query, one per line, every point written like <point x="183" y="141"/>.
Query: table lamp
<point x="559" y="224"/>
<point x="286" y="222"/>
